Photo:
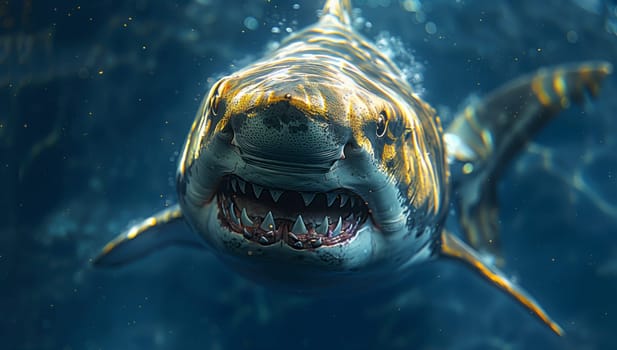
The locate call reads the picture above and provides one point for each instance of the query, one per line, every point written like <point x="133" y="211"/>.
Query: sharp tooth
<point x="242" y="185"/>
<point x="263" y="240"/>
<point x="331" y="198"/>
<point x="225" y="210"/>
<point x="232" y="213"/>
<point x="245" y="218"/>
<point x="317" y="243"/>
<point x="268" y="223"/>
<point x="257" y="190"/>
<point x="276" y="194"/>
<point x="353" y="201"/>
<point x="337" y="230"/>
<point x="308" y="197"/>
<point x="247" y="234"/>
<point x="234" y="184"/>
<point x="323" y="228"/>
<point x="298" y="226"/>
<point x="344" y="199"/>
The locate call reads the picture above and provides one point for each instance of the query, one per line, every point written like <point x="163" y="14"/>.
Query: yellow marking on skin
<point x="487" y="139"/>
<point x="108" y="247"/>
<point x="206" y="129"/>
<point x="559" y="84"/>
<point x="132" y="232"/>
<point x="389" y="153"/>
<point x="356" y="125"/>
<point x="605" y="69"/>
<point x="585" y="72"/>
<point x="589" y="74"/>
<point x="339" y="9"/>
<point x="439" y="125"/>
<point x="163" y="217"/>
<point x="537" y="86"/>
<point x="135" y="230"/>
<point x="319" y="101"/>
<point x="302" y="89"/>
<point x="453" y="247"/>
<point x="341" y="41"/>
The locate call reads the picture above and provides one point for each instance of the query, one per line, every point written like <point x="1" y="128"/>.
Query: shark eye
<point x="382" y="124"/>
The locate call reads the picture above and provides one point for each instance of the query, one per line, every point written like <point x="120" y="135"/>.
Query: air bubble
<point x="251" y="23"/>
<point x="430" y="28"/>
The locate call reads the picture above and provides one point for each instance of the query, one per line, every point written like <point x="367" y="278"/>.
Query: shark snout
<point x="281" y="134"/>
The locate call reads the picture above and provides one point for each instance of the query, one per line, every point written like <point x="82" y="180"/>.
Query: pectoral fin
<point x="453" y="247"/>
<point x="166" y="227"/>
<point x="483" y="139"/>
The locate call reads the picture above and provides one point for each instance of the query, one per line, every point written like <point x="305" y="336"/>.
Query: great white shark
<point x="318" y="165"/>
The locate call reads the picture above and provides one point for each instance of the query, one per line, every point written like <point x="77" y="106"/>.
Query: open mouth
<point x="303" y="220"/>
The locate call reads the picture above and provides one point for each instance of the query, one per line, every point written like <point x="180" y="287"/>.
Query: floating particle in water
<point x="276" y="30"/>
<point x="430" y="28"/>
<point x="572" y="36"/>
<point x="412" y="5"/>
<point x="296" y="6"/>
<point x="251" y="23"/>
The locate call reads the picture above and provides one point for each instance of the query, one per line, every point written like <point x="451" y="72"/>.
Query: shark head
<point x="303" y="165"/>
<point x="310" y="175"/>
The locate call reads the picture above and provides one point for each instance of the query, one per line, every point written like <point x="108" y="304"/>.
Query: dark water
<point x="97" y="97"/>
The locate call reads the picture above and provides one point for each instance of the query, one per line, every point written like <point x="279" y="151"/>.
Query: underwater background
<point x="97" y="97"/>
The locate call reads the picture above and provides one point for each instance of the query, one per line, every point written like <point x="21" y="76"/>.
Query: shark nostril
<point x="227" y="133"/>
<point x="350" y="148"/>
<point x="342" y="157"/>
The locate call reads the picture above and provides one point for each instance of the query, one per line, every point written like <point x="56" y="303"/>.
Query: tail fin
<point x="486" y="136"/>
<point x="339" y="9"/>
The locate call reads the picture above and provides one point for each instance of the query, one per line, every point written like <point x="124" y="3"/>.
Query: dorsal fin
<point x="339" y="9"/>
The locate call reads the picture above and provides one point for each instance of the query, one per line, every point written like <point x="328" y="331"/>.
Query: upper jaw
<point x="366" y="191"/>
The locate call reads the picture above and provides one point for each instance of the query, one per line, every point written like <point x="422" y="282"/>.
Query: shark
<point x="318" y="166"/>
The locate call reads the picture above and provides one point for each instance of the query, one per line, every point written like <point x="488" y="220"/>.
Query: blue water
<point x="97" y="97"/>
